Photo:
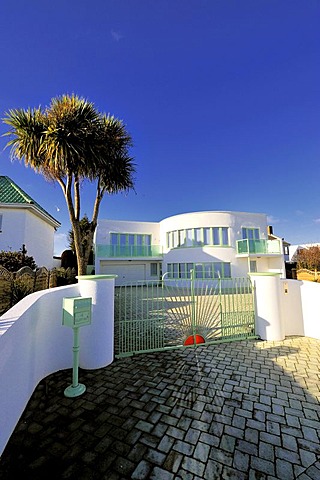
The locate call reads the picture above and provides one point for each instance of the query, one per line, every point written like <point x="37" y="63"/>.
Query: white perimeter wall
<point x="21" y="226"/>
<point x="286" y="307"/>
<point x="34" y="343"/>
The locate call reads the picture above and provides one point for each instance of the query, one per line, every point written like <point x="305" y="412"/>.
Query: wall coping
<point x="96" y="277"/>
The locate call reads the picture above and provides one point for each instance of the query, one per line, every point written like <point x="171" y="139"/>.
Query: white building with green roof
<point x="24" y="222"/>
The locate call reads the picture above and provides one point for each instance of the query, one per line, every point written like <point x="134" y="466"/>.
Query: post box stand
<point x="76" y="313"/>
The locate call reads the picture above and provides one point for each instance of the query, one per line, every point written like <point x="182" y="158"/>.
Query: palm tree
<point x="70" y="141"/>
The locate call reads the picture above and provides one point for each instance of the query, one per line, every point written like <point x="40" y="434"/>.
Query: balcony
<point x="128" y="251"/>
<point x="248" y="247"/>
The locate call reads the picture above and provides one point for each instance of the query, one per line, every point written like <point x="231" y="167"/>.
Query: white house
<point x="215" y="244"/>
<point x="24" y="222"/>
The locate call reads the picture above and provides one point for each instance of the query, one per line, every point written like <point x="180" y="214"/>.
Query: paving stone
<point x="158" y="473"/>
<point x="247" y="447"/>
<point x="262" y="465"/>
<point x="201" y="452"/>
<point x="176" y="433"/>
<point x="213" y="470"/>
<point x="227" y="443"/>
<point x="142" y="471"/>
<point x="137" y="452"/>
<point x="307" y="458"/>
<point x="220" y="456"/>
<point x="183" y="447"/>
<point x="193" y="466"/>
<point x="173" y="461"/>
<point x="241" y="461"/>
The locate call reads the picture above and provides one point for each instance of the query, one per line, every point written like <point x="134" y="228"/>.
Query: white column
<point x="97" y="339"/>
<point x="269" y="325"/>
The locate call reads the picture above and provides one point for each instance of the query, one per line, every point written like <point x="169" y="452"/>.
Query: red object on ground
<point x="190" y="340"/>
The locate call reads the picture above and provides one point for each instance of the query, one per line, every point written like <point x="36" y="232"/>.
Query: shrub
<point x="20" y="288"/>
<point x="13" y="261"/>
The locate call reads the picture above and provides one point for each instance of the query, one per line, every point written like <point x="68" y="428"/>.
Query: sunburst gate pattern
<point x="176" y="313"/>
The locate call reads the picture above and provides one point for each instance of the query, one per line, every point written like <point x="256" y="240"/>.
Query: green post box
<point x="76" y="314"/>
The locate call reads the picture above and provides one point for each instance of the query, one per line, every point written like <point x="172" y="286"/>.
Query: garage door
<point x="127" y="273"/>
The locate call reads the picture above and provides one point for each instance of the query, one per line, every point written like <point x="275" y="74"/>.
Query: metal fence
<point x="176" y="313"/>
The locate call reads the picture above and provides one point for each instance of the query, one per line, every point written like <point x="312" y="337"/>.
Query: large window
<point x="198" y="237"/>
<point x="208" y="270"/>
<point x="130" y="243"/>
<point x="250" y="233"/>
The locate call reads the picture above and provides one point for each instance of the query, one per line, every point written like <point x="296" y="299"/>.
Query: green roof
<point x="11" y="194"/>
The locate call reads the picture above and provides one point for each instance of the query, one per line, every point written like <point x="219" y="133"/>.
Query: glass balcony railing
<point x="263" y="247"/>
<point x="128" y="251"/>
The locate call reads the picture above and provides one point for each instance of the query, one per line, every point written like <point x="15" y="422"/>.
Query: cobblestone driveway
<point x="244" y="410"/>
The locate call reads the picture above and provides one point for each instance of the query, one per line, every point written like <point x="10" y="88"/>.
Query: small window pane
<point x="197" y="236"/>
<point x="217" y="270"/>
<point x="175" y="270"/>
<point x="114" y="238"/>
<point x="216" y="236"/>
<point x="189" y="239"/>
<point x="123" y="239"/>
<point x="206" y="236"/>
<point x="182" y="270"/>
<point x="225" y="239"/>
<point x="199" y="271"/>
<point x="208" y="272"/>
<point x="189" y="268"/>
<point x="153" y="269"/>
<point x="182" y="238"/>
<point x="175" y="239"/>
<point x="131" y="239"/>
<point x="227" y="270"/>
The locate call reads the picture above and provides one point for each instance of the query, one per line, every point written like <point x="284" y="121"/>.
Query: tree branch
<point x="77" y="197"/>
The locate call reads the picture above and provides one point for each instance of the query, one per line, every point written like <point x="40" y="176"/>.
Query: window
<point x="189" y="237"/>
<point x="153" y="269"/>
<point x="208" y="270"/>
<point x="114" y="238"/>
<point x="133" y="243"/>
<point x="1" y="222"/>
<point x="182" y="238"/>
<point x="206" y="236"/>
<point x="253" y="266"/>
<point x="197" y="236"/>
<point x="250" y="233"/>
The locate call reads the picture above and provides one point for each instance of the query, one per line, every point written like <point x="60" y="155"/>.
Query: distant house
<point x="295" y="249"/>
<point x="24" y="222"/>
<point x="214" y="244"/>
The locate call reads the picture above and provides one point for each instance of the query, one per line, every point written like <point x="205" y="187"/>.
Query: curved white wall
<point x="34" y="344"/>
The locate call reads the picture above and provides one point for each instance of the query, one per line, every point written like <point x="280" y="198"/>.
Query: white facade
<point x="25" y="225"/>
<point x="215" y="244"/>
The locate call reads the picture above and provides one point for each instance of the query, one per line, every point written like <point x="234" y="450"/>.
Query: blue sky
<point x="221" y="97"/>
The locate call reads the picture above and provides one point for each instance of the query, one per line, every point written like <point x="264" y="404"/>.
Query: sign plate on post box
<point x="77" y="311"/>
<point x="76" y="314"/>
